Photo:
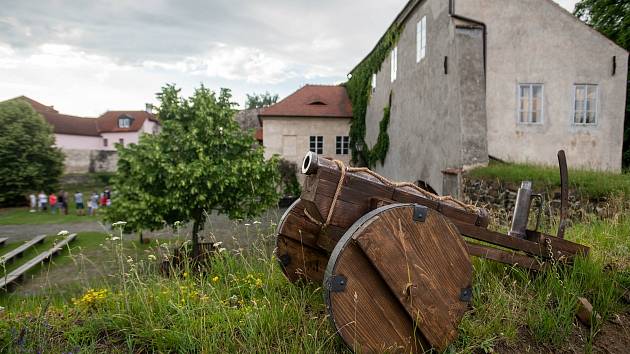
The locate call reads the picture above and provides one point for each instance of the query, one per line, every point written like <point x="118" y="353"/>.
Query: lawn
<point x="23" y="216"/>
<point x="591" y="184"/>
<point x="242" y="303"/>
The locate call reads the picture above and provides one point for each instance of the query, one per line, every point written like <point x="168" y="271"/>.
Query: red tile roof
<point x="313" y="101"/>
<point x="107" y="122"/>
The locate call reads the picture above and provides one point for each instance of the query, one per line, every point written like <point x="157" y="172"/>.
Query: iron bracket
<point x="337" y="283"/>
<point x="420" y="213"/>
<point x="465" y="294"/>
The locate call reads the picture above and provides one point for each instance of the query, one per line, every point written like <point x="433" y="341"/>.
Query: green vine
<point x="359" y="90"/>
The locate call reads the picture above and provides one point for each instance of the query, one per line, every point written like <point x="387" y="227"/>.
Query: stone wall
<point x="84" y="161"/>
<point x="499" y="198"/>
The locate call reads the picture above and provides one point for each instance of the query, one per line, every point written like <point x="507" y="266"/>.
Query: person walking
<point x="93" y="204"/>
<point x="65" y="203"/>
<point x="33" y="201"/>
<point x="78" y="203"/>
<point x="43" y="200"/>
<point x="52" y="201"/>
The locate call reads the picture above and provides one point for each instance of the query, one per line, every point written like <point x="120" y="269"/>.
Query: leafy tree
<point x="261" y="100"/>
<point x="28" y="159"/>
<point x="612" y="18"/>
<point x="201" y="161"/>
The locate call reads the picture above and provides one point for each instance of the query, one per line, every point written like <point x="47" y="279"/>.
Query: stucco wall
<point x="536" y="41"/>
<point x="84" y="161"/>
<point x="429" y="106"/>
<point x="113" y="138"/>
<point x="67" y="141"/>
<point x="279" y="133"/>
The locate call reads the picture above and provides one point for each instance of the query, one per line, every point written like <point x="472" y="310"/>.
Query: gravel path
<point x="217" y="228"/>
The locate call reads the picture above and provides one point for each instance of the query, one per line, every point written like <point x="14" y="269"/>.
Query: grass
<point x="591" y="184"/>
<point x="22" y="216"/>
<point x="242" y="303"/>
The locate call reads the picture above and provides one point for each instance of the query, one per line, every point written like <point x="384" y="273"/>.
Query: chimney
<point x="148" y="107"/>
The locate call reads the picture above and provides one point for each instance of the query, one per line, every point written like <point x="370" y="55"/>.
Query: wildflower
<point x="119" y="223"/>
<point x="115" y="238"/>
<point x="63" y="233"/>
<point x="246" y="224"/>
<point x="215" y="279"/>
<point x="259" y="283"/>
<point x="221" y="249"/>
<point x="152" y="257"/>
<point x="217" y="244"/>
<point x="256" y="222"/>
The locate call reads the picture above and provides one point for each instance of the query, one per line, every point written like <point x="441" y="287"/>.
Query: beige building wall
<point x="538" y="42"/>
<point x="289" y="136"/>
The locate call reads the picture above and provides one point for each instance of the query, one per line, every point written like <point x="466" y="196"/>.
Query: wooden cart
<point x="394" y="259"/>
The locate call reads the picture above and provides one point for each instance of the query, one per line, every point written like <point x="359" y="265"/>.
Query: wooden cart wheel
<point x="296" y="246"/>
<point x="398" y="280"/>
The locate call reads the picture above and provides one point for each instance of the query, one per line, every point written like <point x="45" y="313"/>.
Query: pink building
<point x="89" y="143"/>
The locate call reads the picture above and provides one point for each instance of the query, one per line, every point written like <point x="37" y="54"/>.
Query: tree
<point x="612" y="18"/>
<point x="201" y="161"/>
<point x="29" y="161"/>
<point x="260" y="100"/>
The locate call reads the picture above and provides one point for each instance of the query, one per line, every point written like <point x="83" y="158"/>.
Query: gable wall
<point x="536" y="41"/>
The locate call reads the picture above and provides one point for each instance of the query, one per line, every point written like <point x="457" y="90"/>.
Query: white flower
<point x="256" y="222"/>
<point x="115" y="238"/>
<point x="63" y="233"/>
<point x="119" y="223"/>
<point x="129" y="260"/>
<point x="221" y="249"/>
<point x="217" y="244"/>
<point x="151" y="257"/>
<point x="247" y="224"/>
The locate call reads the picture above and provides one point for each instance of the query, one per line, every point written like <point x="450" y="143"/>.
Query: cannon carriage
<point x="394" y="259"/>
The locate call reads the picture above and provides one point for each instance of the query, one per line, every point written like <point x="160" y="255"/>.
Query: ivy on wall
<point x="359" y="90"/>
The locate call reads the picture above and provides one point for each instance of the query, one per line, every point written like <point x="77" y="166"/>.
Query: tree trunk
<point x="197" y="223"/>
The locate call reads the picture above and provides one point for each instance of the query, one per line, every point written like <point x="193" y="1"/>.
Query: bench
<point x="44" y="256"/>
<point x="20" y="250"/>
<point x="3" y="241"/>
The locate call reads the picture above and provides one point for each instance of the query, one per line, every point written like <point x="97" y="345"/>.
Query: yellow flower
<point x="215" y="279"/>
<point x="185" y="274"/>
<point x="259" y="283"/>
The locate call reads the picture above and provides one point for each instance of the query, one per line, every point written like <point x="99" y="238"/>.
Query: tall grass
<point x="241" y="302"/>
<point x="591" y="184"/>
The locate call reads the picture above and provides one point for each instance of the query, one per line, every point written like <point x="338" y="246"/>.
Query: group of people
<point x="59" y="201"/>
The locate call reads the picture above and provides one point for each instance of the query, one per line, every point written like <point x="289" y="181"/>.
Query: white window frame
<point x="316" y="144"/>
<point x="529" y="108"/>
<point x="394" y="63"/>
<point x="373" y="82"/>
<point x="586" y="86"/>
<point x="421" y="39"/>
<point x="126" y="121"/>
<point x="342" y="145"/>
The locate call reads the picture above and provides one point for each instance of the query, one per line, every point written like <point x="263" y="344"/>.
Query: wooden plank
<point x="3" y="241"/>
<point x="298" y="261"/>
<point x="19" y="251"/>
<point x="426" y="266"/>
<point x="19" y="272"/>
<point x="366" y="314"/>
<point x="559" y="247"/>
<point x="502" y="256"/>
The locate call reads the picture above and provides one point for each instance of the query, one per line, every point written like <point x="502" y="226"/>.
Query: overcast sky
<point x="85" y="57"/>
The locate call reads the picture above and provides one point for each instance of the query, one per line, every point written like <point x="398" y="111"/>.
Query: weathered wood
<point x="502" y="256"/>
<point x="3" y="241"/>
<point x="19" y="272"/>
<point x="423" y="264"/>
<point x="19" y="251"/>
<point x="560" y="248"/>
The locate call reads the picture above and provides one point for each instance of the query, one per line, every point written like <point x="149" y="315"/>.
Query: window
<point x="421" y="39"/>
<point x="530" y="106"/>
<point x="394" y="63"/>
<point x="121" y="141"/>
<point x="104" y="141"/>
<point x="317" y="144"/>
<point x="342" y="145"/>
<point x="373" y="82"/>
<point x="585" y="104"/>
<point x="124" y="122"/>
